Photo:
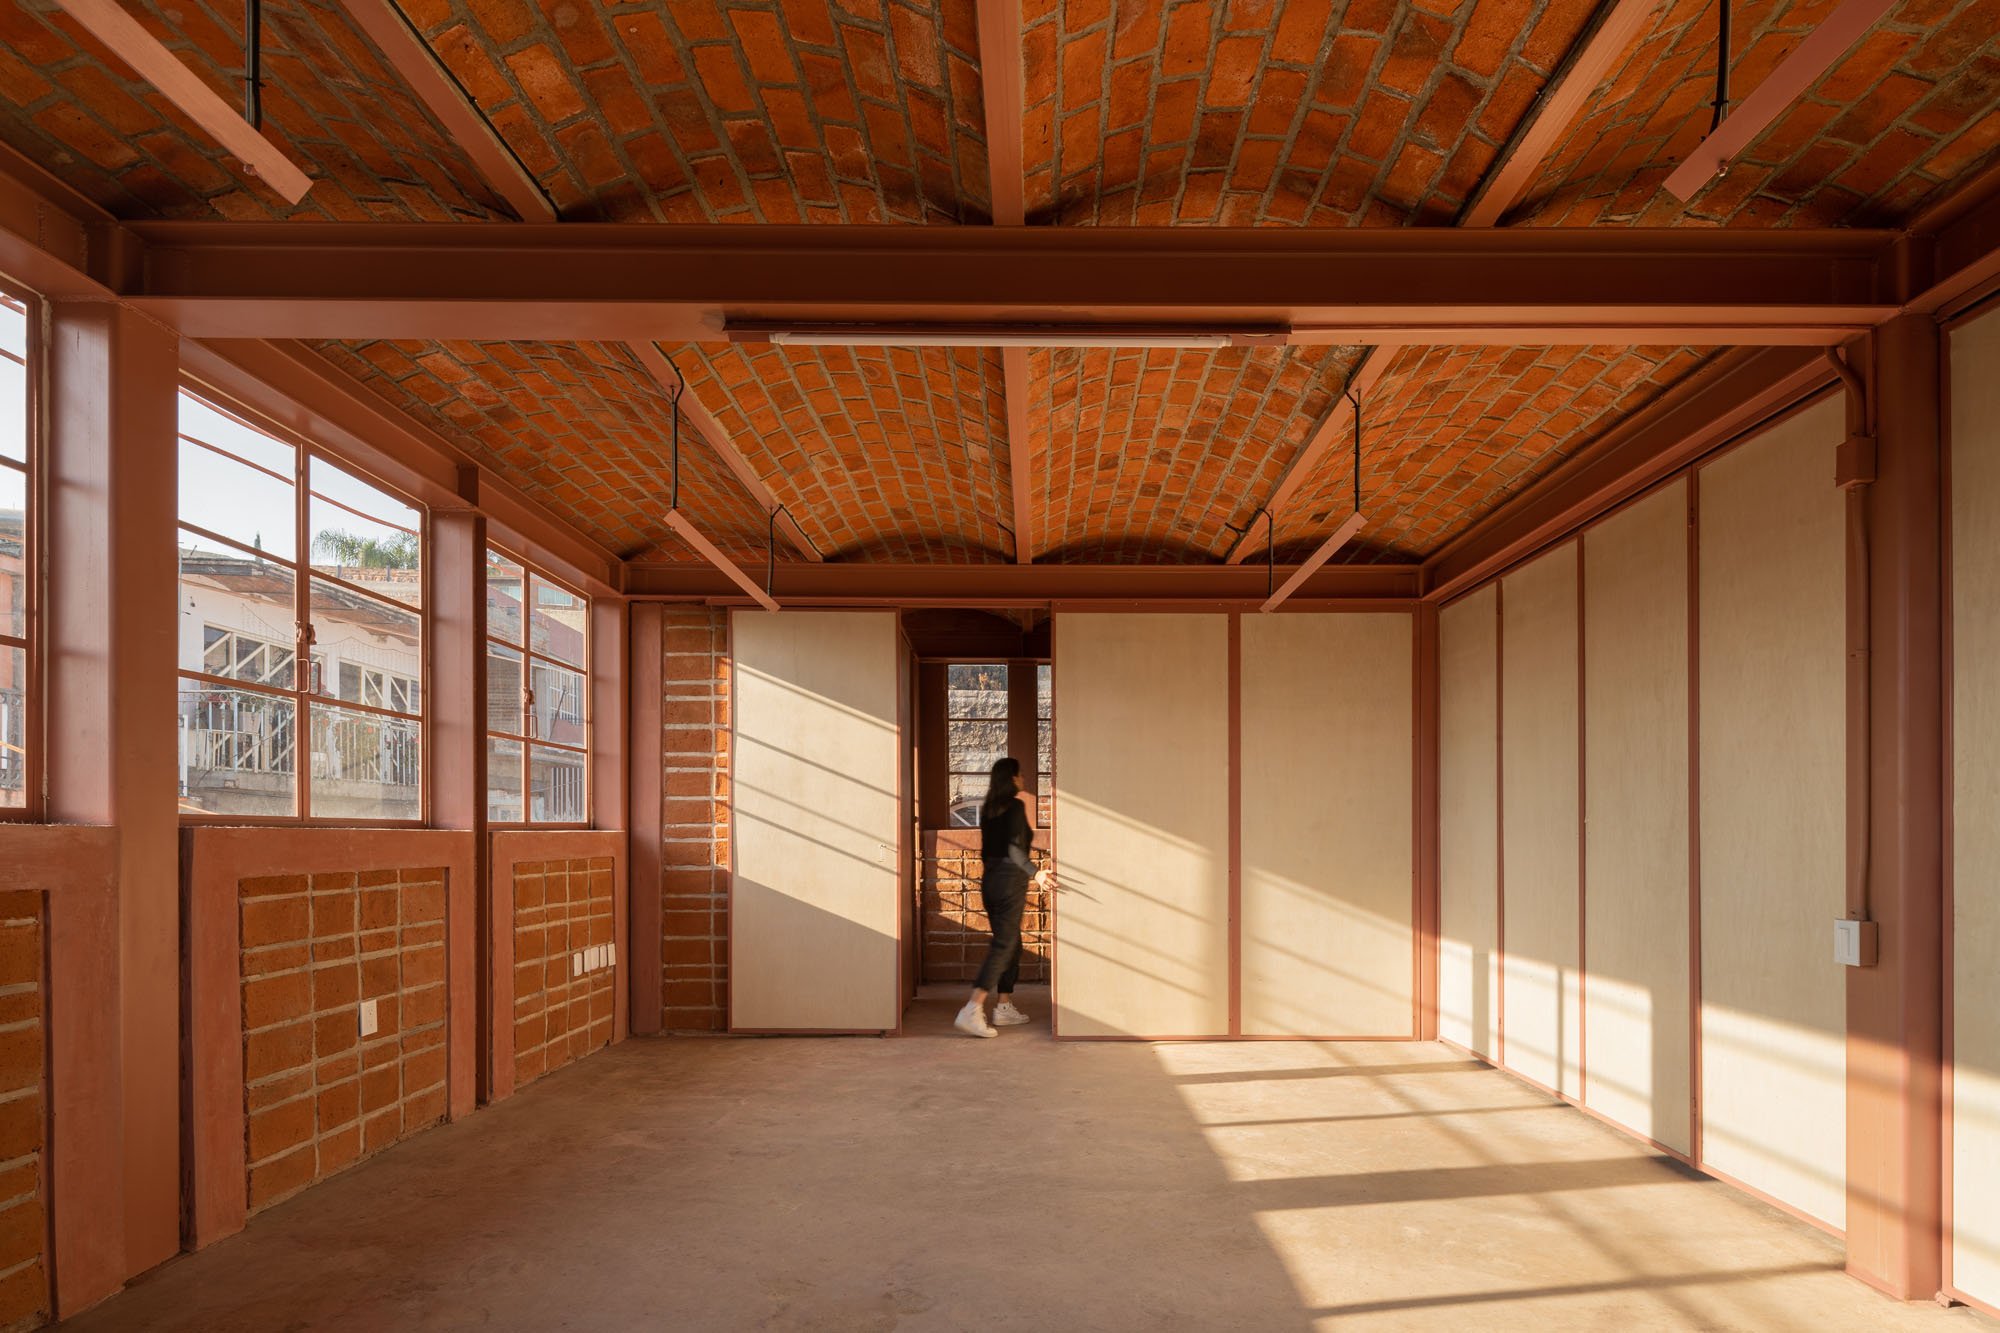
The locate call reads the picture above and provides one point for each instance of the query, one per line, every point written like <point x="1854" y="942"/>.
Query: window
<point x="301" y="632"/>
<point x="975" y="733"/>
<point x="1045" y="745"/>
<point x="537" y="717"/>
<point x="16" y="580"/>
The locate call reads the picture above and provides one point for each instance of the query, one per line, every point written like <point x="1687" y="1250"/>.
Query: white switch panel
<point x="370" y="1019"/>
<point x="1854" y="943"/>
<point x="576" y="964"/>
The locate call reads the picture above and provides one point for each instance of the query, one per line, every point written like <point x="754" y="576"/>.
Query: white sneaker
<point x="1006" y="1015"/>
<point x="972" y="1022"/>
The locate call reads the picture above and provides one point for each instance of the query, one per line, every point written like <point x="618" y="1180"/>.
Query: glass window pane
<point x="13" y="380"/>
<point x="13" y="728"/>
<point x="364" y="536"/>
<point x="237" y="616"/>
<point x="13" y="552"/>
<point x="1045" y="754"/>
<point x="967" y="791"/>
<point x="556" y="781"/>
<point x="366" y="651"/>
<point x="503" y="782"/>
<point x="558" y="622"/>
<point x="238" y="751"/>
<point x="364" y="765"/>
<point x="237" y="501"/>
<point x="503" y="692"/>
<point x="557" y="709"/>
<point x="505" y="584"/>
<point x="1045" y="691"/>
<point x="976" y="690"/>
<point x="204" y="423"/>
<point x="976" y="745"/>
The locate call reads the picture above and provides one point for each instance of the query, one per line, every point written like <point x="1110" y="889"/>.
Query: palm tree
<point x="347" y="549"/>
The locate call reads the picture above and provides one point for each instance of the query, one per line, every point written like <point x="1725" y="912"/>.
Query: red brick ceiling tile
<point x="1909" y="108"/>
<point x="1152" y="456"/>
<point x="329" y="101"/>
<point x="730" y="110"/>
<point x="877" y="453"/>
<point x="580" y="427"/>
<point x="1245" y="112"/>
<point x="1452" y="433"/>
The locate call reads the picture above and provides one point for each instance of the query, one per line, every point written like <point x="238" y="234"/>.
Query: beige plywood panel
<point x="1328" y="753"/>
<point x="1540" y="835"/>
<point x="1772" y="608"/>
<point x="814" y="905"/>
<point x="1975" y="703"/>
<point x="1635" y="689"/>
<point x="1142" y="822"/>
<point x="1469" y="822"/>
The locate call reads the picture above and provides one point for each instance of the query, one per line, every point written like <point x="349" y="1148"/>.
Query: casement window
<point x="301" y="632"/>
<point x="975" y="733"/>
<point x="20" y="762"/>
<point x="537" y="704"/>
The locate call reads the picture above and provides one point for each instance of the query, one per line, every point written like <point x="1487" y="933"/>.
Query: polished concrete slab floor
<point x="937" y="1182"/>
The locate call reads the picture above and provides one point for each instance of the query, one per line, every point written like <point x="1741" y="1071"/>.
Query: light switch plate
<point x="576" y="964"/>
<point x="1854" y="943"/>
<point x="370" y="1018"/>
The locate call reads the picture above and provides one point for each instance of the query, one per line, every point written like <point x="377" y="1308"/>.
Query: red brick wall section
<point x="24" y="1281"/>
<point x="694" y="949"/>
<point x="317" y="1094"/>
<point x="955" y="931"/>
<point x="561" y="909"/>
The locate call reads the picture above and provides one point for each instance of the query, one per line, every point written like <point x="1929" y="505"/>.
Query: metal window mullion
<point x="302" y="677"/>
<point x="200" y="531"/>
<point x="235" y="457"/>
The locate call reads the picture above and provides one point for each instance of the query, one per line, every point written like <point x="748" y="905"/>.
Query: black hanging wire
<point x="253" y="62"/>
<point x="1357" y="451"/>
<point x="674" y="493"/>
<point x="1721" y="65"/>
<point x="771" y="551"/>
<point x="1270" y="554"/>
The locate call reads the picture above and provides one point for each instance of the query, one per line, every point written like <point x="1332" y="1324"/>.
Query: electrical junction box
<point x="1854" y="943"/>
<point x="369" y="1018"/>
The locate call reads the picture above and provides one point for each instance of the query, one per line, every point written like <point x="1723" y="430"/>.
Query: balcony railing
<point x="228" y="735"/>
<point x="13" y="740"/>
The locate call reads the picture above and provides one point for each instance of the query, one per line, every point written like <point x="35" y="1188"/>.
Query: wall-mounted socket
<point x="370" y="1018"/>
<point x="576" y="964"/>
<point x="1854" y="943"/>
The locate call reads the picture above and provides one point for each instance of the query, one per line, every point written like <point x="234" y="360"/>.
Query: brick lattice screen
<point x="955" y="933"/>
<point x="560" y="909"/>
<point x="694" y="948"/>
<point x="24" y="1280"/>
<point x="318" y="1096"/>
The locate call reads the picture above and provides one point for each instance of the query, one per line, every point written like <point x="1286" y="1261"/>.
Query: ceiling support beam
<point x="1613" y="29"/>
<point x="108" y="22"/>
<point x="1829" y="40"/>
<point x="1332" y="429"/>
<point x="1341" y="536"/>
<point x="712" y="553"/>
<point x="668" y="377"/>
<point x="1020" y="462"/>
<point x="1000" y="586"/>
<point x="412" y="57"/>
<point x="1003" y="89"/>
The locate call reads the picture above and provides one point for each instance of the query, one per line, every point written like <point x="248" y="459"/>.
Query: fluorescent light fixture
<point x="1001" y="335"/>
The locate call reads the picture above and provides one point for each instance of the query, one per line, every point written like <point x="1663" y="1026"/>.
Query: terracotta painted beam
<point x="1020" y="453"/>
<point x="1828" y="41"/>
<point x="1004" y="585"/>
<point x="1332" y="429"/>
<point x="108" y="22"/>
<point x="712" y="553"/>
<point x="618" y="283"/>
<point x="412" y="57"/>
<point x="1003" y="97"/>
<point x="1614" y="28"/>
<point x="1342" y="535"/>
<point x="711" y="432"/>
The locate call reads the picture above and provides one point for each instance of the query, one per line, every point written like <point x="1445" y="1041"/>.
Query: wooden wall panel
<point x="1975" y="747"/>
<point x="1328" y="762"/>
<point x="1468" y="822"/>
<point x="1142" y="809"/>
<point x="1540" y="834"/>
<point x="815" y="900"/>
<point x="1773" y="790"/>
<point x="1636" y="985"/>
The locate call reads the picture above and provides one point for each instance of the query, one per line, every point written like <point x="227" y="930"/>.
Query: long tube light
<point x="1000" y="335"/>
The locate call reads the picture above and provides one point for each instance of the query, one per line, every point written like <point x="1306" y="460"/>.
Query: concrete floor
<point x="941" y="1183"/>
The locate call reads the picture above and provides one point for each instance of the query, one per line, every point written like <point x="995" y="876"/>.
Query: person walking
<point x="1006" y="838"/>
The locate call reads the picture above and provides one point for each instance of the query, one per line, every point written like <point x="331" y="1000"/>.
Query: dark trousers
<point x="1004" y="890"/>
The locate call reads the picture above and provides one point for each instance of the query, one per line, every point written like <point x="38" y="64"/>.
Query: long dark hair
<point x="1000" y="787"/>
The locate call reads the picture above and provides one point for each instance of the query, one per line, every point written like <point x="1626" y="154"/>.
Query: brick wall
<point x="694" y="948"/>
<point x="561" y="908"/>
<point x="317" y="1095"/>
<point x="24" y="1281"/>
<point x="955" y="933"/>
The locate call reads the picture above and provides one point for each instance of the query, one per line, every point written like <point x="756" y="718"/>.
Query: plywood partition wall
<point x="1469" y="823"/>
<point x="1540" y="831"/>
<point x="1635" y="689"/>
<point x="815" y="905"/>
<point x="1142" y="811"/>
<point x="1772" y="612"/>
<point x="1327" y="755"/>
<point x="1974" y="925"/>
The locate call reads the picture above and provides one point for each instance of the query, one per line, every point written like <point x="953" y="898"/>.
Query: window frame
<point x="306" y="662"/>
<point x="1005" y="720"/>
<point x="533" y="574"/>
<point x="34" y="735"/>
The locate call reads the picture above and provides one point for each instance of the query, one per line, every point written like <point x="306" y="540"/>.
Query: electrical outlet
<point x="576" y="964"/>
<point x="370" y="1018"/>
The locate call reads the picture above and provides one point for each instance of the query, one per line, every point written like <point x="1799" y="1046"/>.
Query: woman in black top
<point x="1006" y="836"/>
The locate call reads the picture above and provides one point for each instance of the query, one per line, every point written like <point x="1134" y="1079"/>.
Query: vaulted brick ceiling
<point x="1293" y="113"/>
